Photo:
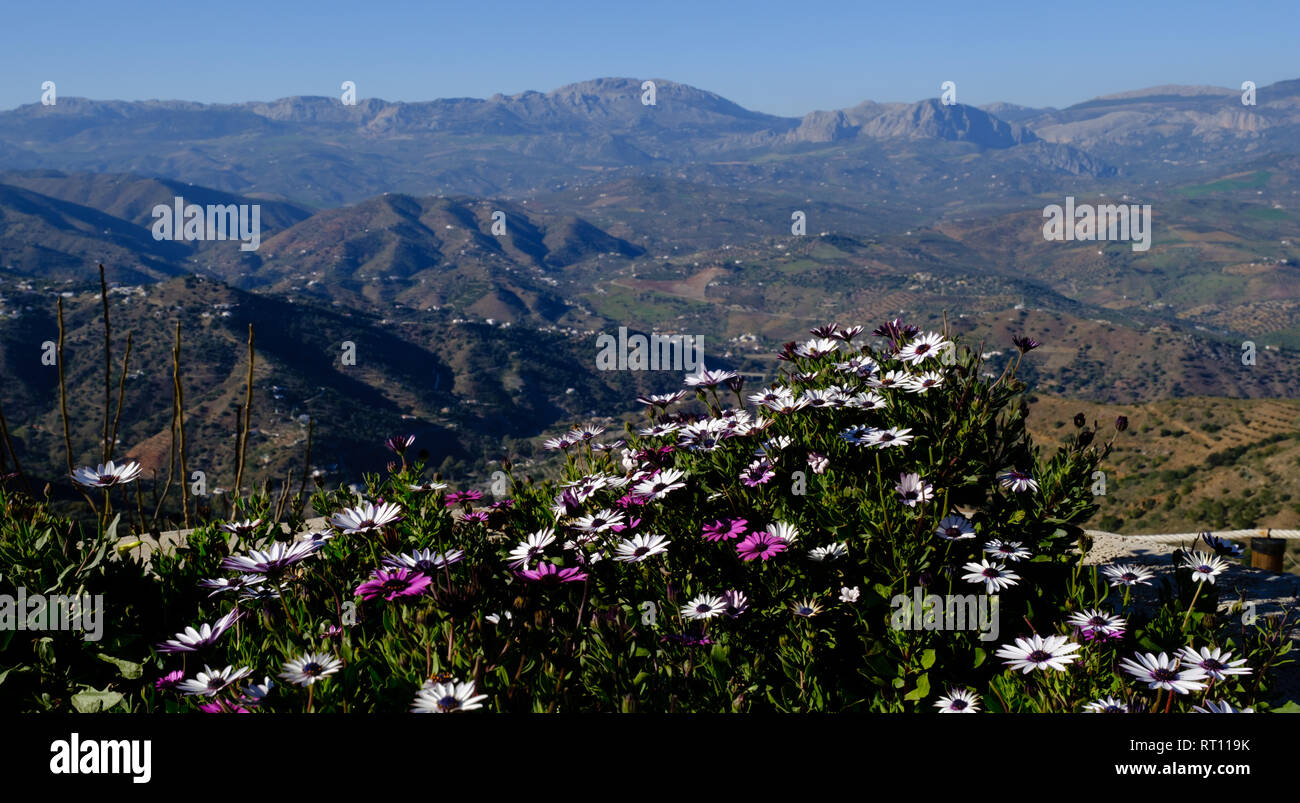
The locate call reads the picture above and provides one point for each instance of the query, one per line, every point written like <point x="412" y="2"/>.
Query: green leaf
<point x="927" y="659"/>
<point x="1292" y="707"/>
<point x="980" y="656"/>
<point x="1017" y="517"/>
<point x="93" y="701"/>
<point x="127" y="669"/>
<point x="922" y="689"/>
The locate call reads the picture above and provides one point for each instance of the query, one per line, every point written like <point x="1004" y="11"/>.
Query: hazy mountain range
<point x="377" y="227"/>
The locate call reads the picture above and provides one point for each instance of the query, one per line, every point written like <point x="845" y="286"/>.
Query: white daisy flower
<point x="1224" y="707"/>
<point x="884" y="438"/>
<point x="365" y="518"/>
<point x="849" y="594"/>
<point x="1007" y="550"/>
<point x="659" y="430"/>
<point x="1107" y="705"/>
<point x="829" y="552"/>
<point x="639" y="547"/>
<point x="426" y="487"/>
<point x="1204" y="566"/>
<point x="958" y="701"/>
<point x="211" y="681"/>
<point x="912" y="490"/>
<point x="1017" y="481"/>
<point x="923" y="348"/>
<point x="1163" y="672"/>
<point x="785" y="531"/>
<point x="192" y="640"/>
<point x="310" y="667"/>
<point x="659" y="486"/>
<point x="1036" y="652"/>
<point x="106" y="475"/>
<point x="708" y="379"/>
<point x="924" y="382"/>
<point x="1122" y="574"/>
<point x="859" y="436"/>
<point x="818" y="462"/>
<point x="240" y="527"/>
<point x="994" y="575"/>
<point x="806" y="608"/>
<point x="1097" y="623"/>
<point x="220" y="585"/>
<point x="1215" y="663"/>
<point x="816" y="347"/>
<point x="705" y="606"/>
<point x="447" y="698"/>
<point x="865" y="401"/>
<point x="277" y="557"/>
<point x="531" y="548"/>
<point x="858" y="365"/>
<point x="889" y="379"/>
<point x="955" y="528"/>
<point x="425" y="561"/>
<point x="599" y="522"/>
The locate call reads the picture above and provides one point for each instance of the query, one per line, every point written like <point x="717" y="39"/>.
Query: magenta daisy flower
<point x="758" y="472"/>
<point x="400" y="443"/>
<point x="724" y="530"/>
<point x="479" y="517"/>
<point x="394" y="584"/>
<point x="552" y="574"/>
<point x="169" y="680"/>
<point x="456" y="497"/>
<point x="762" y="545"/>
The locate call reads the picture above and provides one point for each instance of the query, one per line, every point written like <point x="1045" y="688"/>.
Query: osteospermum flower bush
<point x="738" y="550"/>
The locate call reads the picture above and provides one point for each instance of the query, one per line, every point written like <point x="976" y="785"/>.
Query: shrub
<point x="782" y="550"/>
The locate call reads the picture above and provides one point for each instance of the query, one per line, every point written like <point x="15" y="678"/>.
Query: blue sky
<point x="778" y="57"/>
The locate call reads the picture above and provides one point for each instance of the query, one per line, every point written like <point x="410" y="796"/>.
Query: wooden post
<point x="1267" y="552"/>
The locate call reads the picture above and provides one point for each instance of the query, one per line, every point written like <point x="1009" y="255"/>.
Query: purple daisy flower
<point x="550" y="573"/>
<point x="1025" y="344"/>
<point x="762" y="545"/>
<point x="758" y="472"/>
<point x="400" y="443"/>
<point x="168" y="681"/>
<point x="456" y="497"/>
<point x="394" y="584"/>
<point x="724" y="531"/>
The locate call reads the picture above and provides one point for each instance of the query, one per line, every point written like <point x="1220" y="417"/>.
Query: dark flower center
<point x="1038" y="656"/>
<point x="449" y="703"/>
<point x="1211" y="665"/>
<point x="394" y="584"/>
<point x="957" y="705"/>
<point x="312" y="669"/>
<point x="1164" y="675"/>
